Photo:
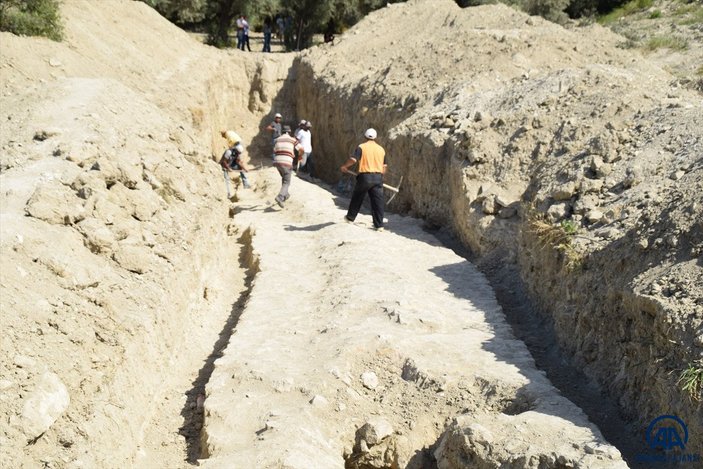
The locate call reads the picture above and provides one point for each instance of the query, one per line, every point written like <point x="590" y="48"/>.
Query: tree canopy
<point x="31" y="18"/>
<point x="303" y="18"/>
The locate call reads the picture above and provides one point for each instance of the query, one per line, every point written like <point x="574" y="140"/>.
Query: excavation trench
<point x="192" y="411"/>
<point x="427" y="405"/>
<point x="339" y="363"/>
<point x="267" y="403"/>
<point x="301" y="332"/>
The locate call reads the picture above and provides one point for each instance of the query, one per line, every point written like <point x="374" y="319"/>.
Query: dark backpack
<point x="230" y="158"/>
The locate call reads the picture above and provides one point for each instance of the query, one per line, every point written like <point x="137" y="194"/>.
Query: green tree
<point x="183" y="12"/>
<point x="553" y="10"/>
<point x="308" y="17"/>
<point x="219" y="15"/>
<point x="31" y="18"/>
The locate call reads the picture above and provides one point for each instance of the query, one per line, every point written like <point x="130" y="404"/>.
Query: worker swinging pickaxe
<point x="394" y="190"/>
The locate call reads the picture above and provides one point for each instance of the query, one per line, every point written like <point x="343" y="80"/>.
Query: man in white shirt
<point x="304" y="136"/>
<point x="240" y="32"/>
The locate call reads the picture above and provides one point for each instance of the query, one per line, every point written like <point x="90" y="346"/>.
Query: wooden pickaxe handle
<point x="390" y="188"/>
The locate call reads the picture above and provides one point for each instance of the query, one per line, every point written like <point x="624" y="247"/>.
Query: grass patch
<point x="699" y="72"/>
<point x="666" y="42"/>
<point x="691" y="381"/>
<point x="655" y="14"/>
<point x="695" y="17"/>
<point x="569" y="227"/>
<point x="627" y="9"/>
<point x="686" y="9"/>
<point x="558" y="237"/>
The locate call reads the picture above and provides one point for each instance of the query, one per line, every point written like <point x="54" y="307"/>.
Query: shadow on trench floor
<point x="532" y="327"/>
<point x="193" y="412"/>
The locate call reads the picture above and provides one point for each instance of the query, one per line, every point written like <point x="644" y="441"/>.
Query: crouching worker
<point x="232" y="161"/>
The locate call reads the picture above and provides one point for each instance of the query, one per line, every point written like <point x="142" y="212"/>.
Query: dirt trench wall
<point x="499" y="165"/>
<point x="340" y="118"/>
<point x="117" y="262"/>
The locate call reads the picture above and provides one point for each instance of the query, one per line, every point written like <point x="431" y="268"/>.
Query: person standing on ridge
<point x="275" y="129"/>
<point x="267" y="34"/>
<point x="240" y="32"/>
<point x="372" y="166"/>
<point x="285" y="149"/>
<point x="245" y="24"/>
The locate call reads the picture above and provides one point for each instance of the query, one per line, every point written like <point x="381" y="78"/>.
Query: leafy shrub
<point x="655" y="14"/>
<point x="31" y="18"/>
<point x="553" y="10"/>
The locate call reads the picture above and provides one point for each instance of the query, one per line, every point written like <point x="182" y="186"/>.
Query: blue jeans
<point x="240" y="39"/>
<point x="242" y="174"/>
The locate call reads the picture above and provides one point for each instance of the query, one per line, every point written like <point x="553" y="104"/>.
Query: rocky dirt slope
<point x="669" y="32"/>
<point x="117" y="267"/>
<point x="551" y="148"/>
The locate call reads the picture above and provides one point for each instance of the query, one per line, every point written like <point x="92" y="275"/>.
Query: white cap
<point x="370" y="134"/>
<point x="278" y="114"/>
<point x="302" y="122"/>
<point x="239" y="147"/>
<point x="308" y="124"/>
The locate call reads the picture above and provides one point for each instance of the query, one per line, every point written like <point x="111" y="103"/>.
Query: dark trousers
<point x="285" y="172"/>
<point x="371" y="183"/>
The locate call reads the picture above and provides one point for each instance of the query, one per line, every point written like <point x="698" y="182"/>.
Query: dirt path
<point x="344" y="325"/>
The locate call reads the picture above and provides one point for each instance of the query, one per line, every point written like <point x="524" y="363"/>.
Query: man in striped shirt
<point x="372" y="166"/>
<point x="285" y="149"/>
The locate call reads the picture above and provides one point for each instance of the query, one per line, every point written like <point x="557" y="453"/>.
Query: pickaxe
<point x="395" y="190"/>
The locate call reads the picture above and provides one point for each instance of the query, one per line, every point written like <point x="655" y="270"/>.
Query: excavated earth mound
<point x="545" y="147"/>
<point x="117" y="269"/>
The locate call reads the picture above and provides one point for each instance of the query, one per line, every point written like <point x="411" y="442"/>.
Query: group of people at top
<point x="292" y="152"/>
<point x="243" y="31"/>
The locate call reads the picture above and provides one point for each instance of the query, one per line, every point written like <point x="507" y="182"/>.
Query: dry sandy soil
<point x="148" y="321"/>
